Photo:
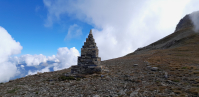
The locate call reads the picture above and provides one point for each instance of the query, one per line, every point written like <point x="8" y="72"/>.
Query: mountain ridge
<point x="184" y="30"/>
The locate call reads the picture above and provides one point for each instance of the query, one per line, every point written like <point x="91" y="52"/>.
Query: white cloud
<point x="74" y="31"/>
<point x="64" y="59"/>
<point x="54" y="13"/>
<point x="22" y="66"/>
<point x="46" y="69"/>
<point x="8" y="70"/>
<point x="67" y="57"/>
<point x="8" y="47"/>
<point x="33" y="60"/>
<point x="195" y="19"/>
<point x="124" y="25"/>
<point x="53" y="58"/>
<point x="30" y="60"/>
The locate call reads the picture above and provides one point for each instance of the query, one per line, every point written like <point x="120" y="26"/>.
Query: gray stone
<point x="166" y="75"/>
<point x="149" y="67"/>
<point x="154" y="68"/>
<point x="96" y="96"/>
<point x="122" y="92"/>
<point x="135" y="65"/>
<point x="134" y="93"/>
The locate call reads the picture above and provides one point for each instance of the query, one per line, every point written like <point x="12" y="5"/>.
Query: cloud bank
<point x="120" y="27"/>
<point x="195" y="20"/>
<point x="32" y="64"/>
<point x="32" y="60"/>
<point x="46" y="69"/>
<point x="8" y="47"/>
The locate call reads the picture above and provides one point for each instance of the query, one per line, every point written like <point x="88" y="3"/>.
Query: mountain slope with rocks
<point x="168" y="67"/>
<point x="182" y="33"/>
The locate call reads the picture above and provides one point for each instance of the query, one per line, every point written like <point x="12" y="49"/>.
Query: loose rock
<point x="154" y="68"/>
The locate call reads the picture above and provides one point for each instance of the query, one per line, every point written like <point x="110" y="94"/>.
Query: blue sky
<point x="43" y="36"/>
<point x="25" y="19"/>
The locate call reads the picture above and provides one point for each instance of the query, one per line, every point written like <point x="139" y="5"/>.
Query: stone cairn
<point x="88" y="62"/>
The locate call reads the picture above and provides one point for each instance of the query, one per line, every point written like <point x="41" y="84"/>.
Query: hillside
<point x="182" y="33"/>
<point x="168" y="67"/>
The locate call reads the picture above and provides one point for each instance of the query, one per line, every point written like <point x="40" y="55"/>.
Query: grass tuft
<point x="184" y="67"/>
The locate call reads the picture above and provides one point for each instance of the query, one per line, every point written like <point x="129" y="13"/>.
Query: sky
<point x="43" y="36"/>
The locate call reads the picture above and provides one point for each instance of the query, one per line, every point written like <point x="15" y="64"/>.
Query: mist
<point x="195" y="20"/>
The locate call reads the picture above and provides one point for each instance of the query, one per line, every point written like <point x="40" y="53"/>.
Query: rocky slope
<point x="168" y="67"/>
<point x="182" y="33"/>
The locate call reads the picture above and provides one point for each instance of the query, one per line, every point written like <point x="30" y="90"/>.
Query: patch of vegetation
<point x="184" y="67"/>
<point x="78" y="79"/>
<point x="12" y="91"/>
<point x="36" y="93"/>
<point x="175" y="80"/>
<point x="63" y="78"/>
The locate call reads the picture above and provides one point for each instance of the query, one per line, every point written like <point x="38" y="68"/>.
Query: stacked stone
<point x="89" y="61"/>
<point x="89" y="52"/>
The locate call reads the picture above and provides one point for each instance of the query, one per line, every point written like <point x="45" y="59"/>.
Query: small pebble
<point x="154" y="68"/>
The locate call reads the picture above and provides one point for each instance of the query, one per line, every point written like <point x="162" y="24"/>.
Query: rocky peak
<point x="185" y="22"/>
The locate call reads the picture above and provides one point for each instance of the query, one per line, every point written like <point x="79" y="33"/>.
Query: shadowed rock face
<point x="184" y="23"/>
<point x="89" y="61"/>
